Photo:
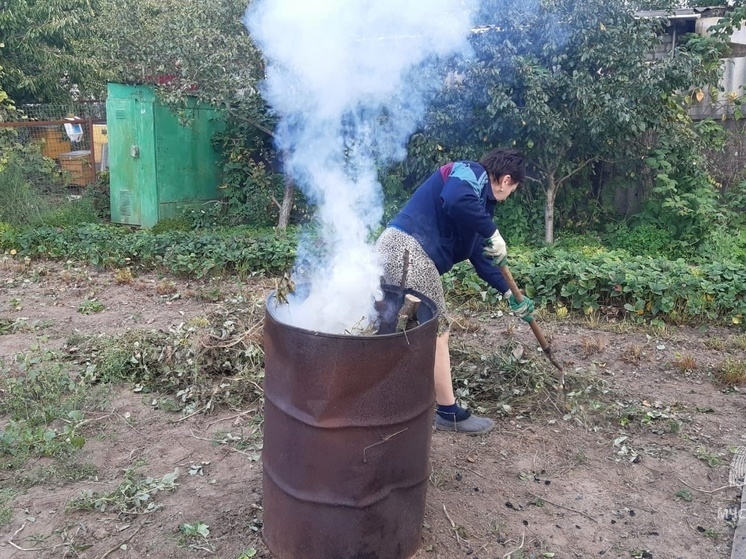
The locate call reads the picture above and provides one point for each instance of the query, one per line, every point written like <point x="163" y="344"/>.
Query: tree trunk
<point x="551" y="192"/>
<point x="287" y="205"/>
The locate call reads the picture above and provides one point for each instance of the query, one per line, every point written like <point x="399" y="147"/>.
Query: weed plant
<point x="68" y="213"/>
<point x="20" y="200"/>
<point x="6" y="512"/>
<point x="98" y="195"/>
<point x="134" y="495"/>
<point x="732" y="372"/>
<point x="723" y="245"/>
<point x="182" y="253"/>
<point x="44" y="406"/>
<point x="646" y="239"/>
<point x="503" y="381"/>
<point x="215" y="360"/>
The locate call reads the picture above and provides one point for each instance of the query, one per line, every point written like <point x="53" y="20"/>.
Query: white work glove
<point x="495" y="247"/>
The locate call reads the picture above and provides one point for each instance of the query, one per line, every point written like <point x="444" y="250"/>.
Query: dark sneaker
<point x="472" y="425"/>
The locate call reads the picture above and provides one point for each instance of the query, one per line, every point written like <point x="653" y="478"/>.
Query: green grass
<point x="43" y="405"/>
<point x="6" y="510"/>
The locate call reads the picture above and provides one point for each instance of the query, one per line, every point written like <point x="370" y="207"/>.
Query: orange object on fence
<point x="78" y="165"/>
<point x="100" y="137"/>
<point x="54" y="141"/>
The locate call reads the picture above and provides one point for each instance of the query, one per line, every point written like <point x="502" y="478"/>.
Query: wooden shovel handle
<point x="519" y="297"/>
<point x="537" y="331"/>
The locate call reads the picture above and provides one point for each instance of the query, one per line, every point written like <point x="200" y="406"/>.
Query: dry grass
<point x="715" y="343"/>
<point x="73" y="276"/>
<point x="732" y="372"/>
<point x="509" y="330"/>
<point x="740" y="341"/>
<point x="165" y="287"/>
<point x="593" y="345"/>
<point x="685" y="363"/>
<point x="124" y="276"/>
<point x="633" y="353"/>
<point x="462" y="323"/>
<point x="12" y="264"/>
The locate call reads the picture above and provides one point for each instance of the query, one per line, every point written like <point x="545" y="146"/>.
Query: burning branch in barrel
<point x="407" y="317"/>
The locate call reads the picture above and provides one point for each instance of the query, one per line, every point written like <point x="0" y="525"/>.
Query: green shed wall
<point x="157" y="162"/>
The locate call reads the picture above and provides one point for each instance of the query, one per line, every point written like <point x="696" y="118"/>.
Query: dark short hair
<point x="505" y="161"/>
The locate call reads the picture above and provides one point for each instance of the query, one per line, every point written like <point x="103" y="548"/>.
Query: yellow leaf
<point x="699" y="95"/>
<point x="438" y="147"/>
<point x="737" y="319"/>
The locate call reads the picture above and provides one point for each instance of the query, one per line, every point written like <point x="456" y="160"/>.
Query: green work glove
<point x="524" y="309"/>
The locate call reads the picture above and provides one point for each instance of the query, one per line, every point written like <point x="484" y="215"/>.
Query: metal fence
<point x="69" y="141"/>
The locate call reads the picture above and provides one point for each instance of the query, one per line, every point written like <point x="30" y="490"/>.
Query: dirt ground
<point x="651" y="482"/>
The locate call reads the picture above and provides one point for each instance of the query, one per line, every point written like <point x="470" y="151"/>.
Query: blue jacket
<point x="450" y="215"/>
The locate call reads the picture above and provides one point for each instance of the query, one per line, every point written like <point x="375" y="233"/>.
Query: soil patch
<point x="638" y="469"/>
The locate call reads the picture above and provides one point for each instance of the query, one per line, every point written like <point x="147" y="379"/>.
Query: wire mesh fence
<point x="60" y="149"/>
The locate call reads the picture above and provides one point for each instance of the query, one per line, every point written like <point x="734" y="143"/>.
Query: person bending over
<point x="448" y="219"/>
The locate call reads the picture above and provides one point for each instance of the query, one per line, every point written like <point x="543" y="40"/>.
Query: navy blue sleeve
<point x="487" y="269"/>
<point x="463" y="205"/>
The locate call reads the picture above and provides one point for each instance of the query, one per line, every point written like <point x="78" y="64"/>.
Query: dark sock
<point x="454" y="412"/>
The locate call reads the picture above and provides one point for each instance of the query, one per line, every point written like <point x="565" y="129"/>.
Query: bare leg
<point x="443" y="381"/>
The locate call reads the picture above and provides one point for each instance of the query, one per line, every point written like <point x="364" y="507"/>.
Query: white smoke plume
<point x="349" y="82"/>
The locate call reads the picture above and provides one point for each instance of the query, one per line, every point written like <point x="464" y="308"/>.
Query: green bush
<point x="734" y="201"/>
<point x="250" y="183"/>
<point x="586" y="244"/>
<point x="190" y="253"/>
<point x="645" y="287"/>
<point x="723" y="245"/>
<point x="99" y="196"/>
<point x="20" y="201"/>
<point x="208" y="215"/>
<point x="521" y="217"/>
<point x="169" y="224"/>
<point x="69" y="213"/>
<point x="647" y="239"/>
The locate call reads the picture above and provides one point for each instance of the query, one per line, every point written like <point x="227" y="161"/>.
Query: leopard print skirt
<point x="422" y="274"/>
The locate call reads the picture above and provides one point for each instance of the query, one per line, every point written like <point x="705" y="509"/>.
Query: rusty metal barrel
<point x="347" y="432"/>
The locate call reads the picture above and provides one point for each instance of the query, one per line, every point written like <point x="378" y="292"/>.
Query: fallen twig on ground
<point x="588" y="516"/>
<point x="523" y="540"/>
<point x="463" y="544"/>
<point x="113" y="549"/>
<point x="18" y="547"/>
<point x="707" y="490"/>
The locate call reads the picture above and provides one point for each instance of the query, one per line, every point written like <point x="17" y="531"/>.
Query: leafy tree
<point x="43" y="49"/>
<point x="571" y="82"/>
<point x="185" y="47"/>
<point x="6" y="103"/>
<point x="198" y="49"/>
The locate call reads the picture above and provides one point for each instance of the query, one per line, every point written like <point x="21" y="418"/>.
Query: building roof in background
<point x="683" y="13"/>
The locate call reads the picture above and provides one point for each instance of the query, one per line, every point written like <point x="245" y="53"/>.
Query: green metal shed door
<point x="134" y="198"/>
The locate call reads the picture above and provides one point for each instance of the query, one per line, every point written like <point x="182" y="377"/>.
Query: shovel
<point x="535" y="329"/>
